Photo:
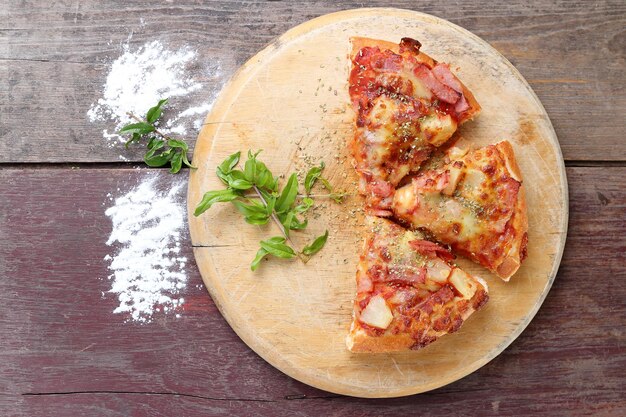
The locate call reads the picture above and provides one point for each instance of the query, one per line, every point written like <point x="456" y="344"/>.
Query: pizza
<point x="475" y="203"/>
<point x="409" y="294"/>
<point x="406" y="105"/>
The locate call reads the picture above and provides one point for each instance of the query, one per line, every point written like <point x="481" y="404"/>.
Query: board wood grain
<point x="291" y="101"/>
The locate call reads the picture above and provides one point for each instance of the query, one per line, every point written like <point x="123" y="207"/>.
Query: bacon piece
<point x="444" y="75"/>
<point x="440" y="90"/>
<point x="381" y="189"/>
<point x="431" y="249"/>
<point x="461" y="106"/>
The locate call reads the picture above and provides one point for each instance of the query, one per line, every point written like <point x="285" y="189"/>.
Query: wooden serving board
<point x="291" y="100"/>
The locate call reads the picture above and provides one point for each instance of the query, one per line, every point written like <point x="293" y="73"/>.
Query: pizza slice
<point x="406" y="105"/>
<point x="475" y="203"/>
<point x="408" y="292"/>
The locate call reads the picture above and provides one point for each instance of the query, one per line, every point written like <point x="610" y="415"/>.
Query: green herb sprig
<point x="256" y="194"/>
<point x="161" y="149"/>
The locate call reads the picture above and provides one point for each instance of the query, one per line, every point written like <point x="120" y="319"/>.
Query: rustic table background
<point x="63" y="351"/>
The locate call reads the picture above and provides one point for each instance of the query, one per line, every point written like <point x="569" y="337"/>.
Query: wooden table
<point x="64" y="352"/>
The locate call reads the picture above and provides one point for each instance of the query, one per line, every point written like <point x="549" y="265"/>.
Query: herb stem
<point x="157" y="131"/>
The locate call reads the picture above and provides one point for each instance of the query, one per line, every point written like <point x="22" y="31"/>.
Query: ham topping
<point x="442" y="91"/>
<point x="431" y="249"/>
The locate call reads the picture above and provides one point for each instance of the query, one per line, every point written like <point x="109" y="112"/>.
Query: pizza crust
<point x="519" y="220"/>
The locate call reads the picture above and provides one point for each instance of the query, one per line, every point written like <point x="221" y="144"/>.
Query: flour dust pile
<point x="147" y="271"/>
<point x="139" y="78"/>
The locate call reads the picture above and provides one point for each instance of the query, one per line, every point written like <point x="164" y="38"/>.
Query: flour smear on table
<point x="138" y="78"/>
<point x="147" y="270"/>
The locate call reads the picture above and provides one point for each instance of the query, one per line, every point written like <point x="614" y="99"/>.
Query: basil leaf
<point x="154" y="143"/>
<point x="312" y="176"/>
<point x="229" y="163"/>
<point x="296" y="224"/>
<point x="212" y="197"/>
<point x="175" y="143"/>
<point x="155" y="112"/>
<point x="261" y="253"/>
<point x="326" y="184"/>
<point x="186" y="161"/>
<point x="285" y="220"/>
<point x="250" y="210"/>
<point x="240" y="184"/>
<point x="288" y="196"/>
<point x="156" y="160"/>
<point x="142" y="128"/>
<point x="176" y="162"/>
<point x="316" y="246"/>
<point x="258" y="219"/>
<point x="250" y="170"/>
<point x="134" y="138"/>
<point x="306" y="204"/>
<point x="278" y="248"/>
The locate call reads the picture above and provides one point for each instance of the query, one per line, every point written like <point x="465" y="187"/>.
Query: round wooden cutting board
<point x="291" y="100"/>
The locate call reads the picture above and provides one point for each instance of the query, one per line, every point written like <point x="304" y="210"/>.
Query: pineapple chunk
<point x="438" y="271"/>
<point x="437" y="128"/>
<point x="463" y="283"/>
<point x="455" y="176"/>
<point x="377" y="313"/>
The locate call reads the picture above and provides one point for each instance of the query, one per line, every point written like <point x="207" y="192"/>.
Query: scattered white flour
<point x="147" y="270"/>
<point x="138" y="79"/>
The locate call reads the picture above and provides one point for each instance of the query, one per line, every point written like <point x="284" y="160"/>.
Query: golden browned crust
<point x="519" y="220"/>
<point x="506" y="150"/>
<point x="359" y="341"/>
<point x="358" y="43"/>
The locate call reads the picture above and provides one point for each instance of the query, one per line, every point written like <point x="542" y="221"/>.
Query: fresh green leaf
<point x="286" y="219"/>
<point x="212" y="197"/>
<point x="250" y="169"/>
<point x="296" y="224"/>
<point x="316" y="246"/>
<point x="155" y="112"/>
<point x="261" y="253"/>
<point x="251" y="209"/>
<point x="157" y="160"/>
<point x="288" y="196"/>
<point x="277" y="247"/>
<point x="270" y="201"/>
<point x="154" y="144"/>
<point x="141" y="128"/>
<point x="257" y="219"/>
<point x="240" y="184"/>
<point x="303" y="207"/>
<point x="175" y="143"/>
<point x="229" y="163"/>
<point x="312" y="176"/>
<point x="176" y="162"/>
<point x="186" y="161"/>
<point x="134" y="138"/>
<point x="326" y="184"/>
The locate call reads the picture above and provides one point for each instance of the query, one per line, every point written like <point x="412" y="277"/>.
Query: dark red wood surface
<point x="64" y="353"/>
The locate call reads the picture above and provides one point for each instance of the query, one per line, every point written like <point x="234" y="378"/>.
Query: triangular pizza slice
<point x="406" y="105"/>
<point x="475" y="203"/>
<point x="408" y="292"/>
